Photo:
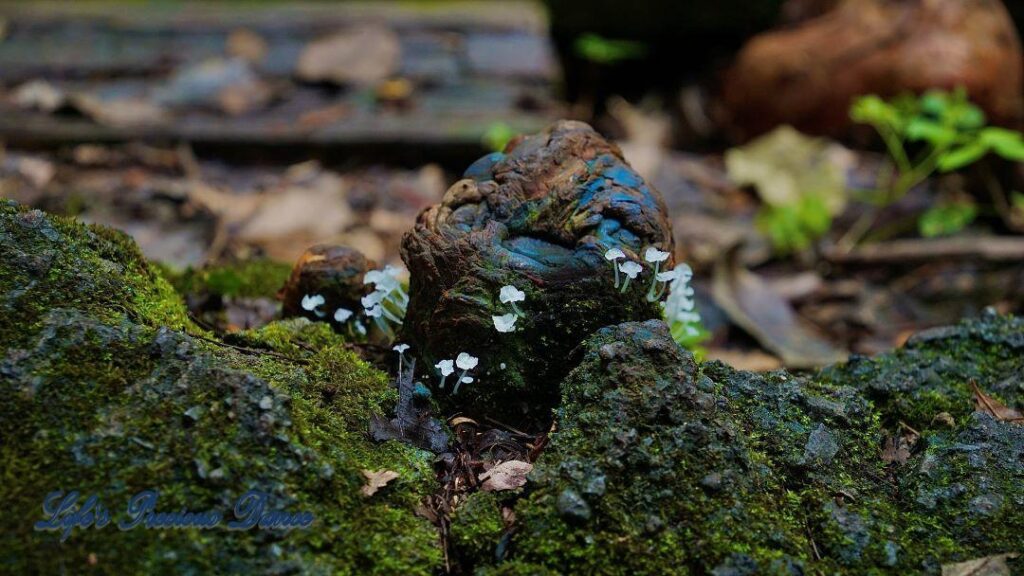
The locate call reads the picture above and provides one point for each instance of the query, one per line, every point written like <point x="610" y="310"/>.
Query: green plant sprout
<point x="938" y="132"/>
<point x="497" y="136"/>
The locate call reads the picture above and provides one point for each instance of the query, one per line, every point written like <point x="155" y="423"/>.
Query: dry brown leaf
<point x="998" y="410"/>
<point x="247" y="45"/>
<point x="751" y="304"/>
<point x="988" y="566"/>
<point x="462" y="420"/>
<point x="376" y="480"/>
<point x="896" y="450"/>
<point x="364" y="55"/>
<point x="120" y="112"/>
<point x="508" y="475"/>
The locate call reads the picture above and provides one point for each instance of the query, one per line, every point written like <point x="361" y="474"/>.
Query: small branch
<point x="990" y="249"/>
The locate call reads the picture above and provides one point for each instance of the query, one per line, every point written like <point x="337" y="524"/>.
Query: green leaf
<point x="607" y="51"/>
<point x="1007" y="143"/>
<point x="962" y="156"/>
<point x="497" y="136"/>
<point x="935" y="103"/>
<point x="946" y="219"/>
<point x="936" y="134"/>
<point x="873" y="110"/>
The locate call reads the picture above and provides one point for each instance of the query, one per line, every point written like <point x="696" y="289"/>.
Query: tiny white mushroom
<point x="656" y="257"/>
<point x="612" y="255"/>
<point x="505" y="323"/>
<point x="466" y="361"/>
<point x="511" y="294"/>
<point x="400" y="348"/>
<point x="372" y="299"/>
<point x="311" y="303"/>
<point x="447" y="368"/>
<point x="342" y="315"/>
<point x="375" y="311"/>
<point x="653" y="255"/>
<point x="630" y="269"/>
<point x="462" y="380"/>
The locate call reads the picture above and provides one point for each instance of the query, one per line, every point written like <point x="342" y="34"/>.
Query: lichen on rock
<point x="539" y="217"/>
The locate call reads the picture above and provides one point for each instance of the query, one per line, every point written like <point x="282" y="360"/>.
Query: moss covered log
<point x="658" y="464"/>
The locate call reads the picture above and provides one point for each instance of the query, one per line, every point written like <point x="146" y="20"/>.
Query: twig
<point x="509" y="428"/>
<point x="251" y="351"/>
<point x="991" y="249"/>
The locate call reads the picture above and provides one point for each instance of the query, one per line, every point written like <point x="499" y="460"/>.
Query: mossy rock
<point x="110" y="390"/>
<point x="661" y="466"/>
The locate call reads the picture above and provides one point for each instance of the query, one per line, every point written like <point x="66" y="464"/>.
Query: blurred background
<point x="840" y="173"/>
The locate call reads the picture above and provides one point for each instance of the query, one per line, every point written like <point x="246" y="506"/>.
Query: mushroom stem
<point x="616" y="268"/>
<point x="625" y="285"/>
<point x="458" y="383"/>
<point x="390" y="315"/>
<point x="654" y="282"/>
<point x="382" y="326"/>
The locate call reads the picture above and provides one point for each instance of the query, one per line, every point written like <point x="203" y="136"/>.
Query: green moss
<point x="933" y="373"/>
<point x="55" y="262"/>
<point x="105" y="394"/>
<point x="247" y="279"/>
<point x="477" y="527"/>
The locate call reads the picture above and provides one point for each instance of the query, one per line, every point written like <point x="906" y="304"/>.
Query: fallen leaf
<point x="119" y="112"/>
<point x="897" y="450"/>
<point x="648" y="135"/>
<point x="785" y="166"/>
<point x="752" y="304"/>
<point x="38" y="95"/>
<point x="988" y="566"/>
<point x="364" y="56"/>
<point x="508" y="475"/>
<point x="462" y="420"/>
<point x="247" y="45"/>
<point x="752" y="360"/>
<point x="228" y="84"/>
<point x="37" y="171"/>
<point x="998" y="410"/>
<point x="376" y="480"/>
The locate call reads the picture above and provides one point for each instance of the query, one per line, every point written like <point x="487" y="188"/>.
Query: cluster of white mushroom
<point x="509" y="295"/>
<point x="465" y="362"/>
<point x="679" y="308"/>
<point x="633" y="269"/>
<point x="387" y="302"/>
